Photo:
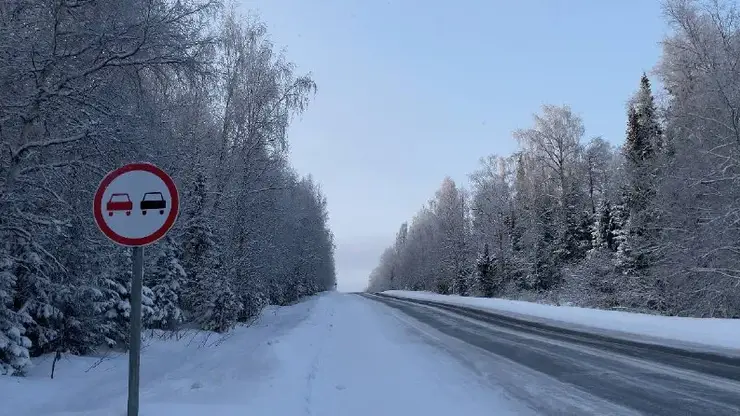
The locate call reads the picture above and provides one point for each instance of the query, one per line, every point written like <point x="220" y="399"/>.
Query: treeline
<point x="86" y="86"/>
<point x="652" y="225"/>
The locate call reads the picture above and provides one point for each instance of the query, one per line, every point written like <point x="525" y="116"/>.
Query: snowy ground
<point x="335" y="354"/>
<point x="710" y="334"/>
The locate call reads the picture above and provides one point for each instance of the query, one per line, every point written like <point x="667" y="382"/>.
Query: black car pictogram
<point x="153" y="200"/>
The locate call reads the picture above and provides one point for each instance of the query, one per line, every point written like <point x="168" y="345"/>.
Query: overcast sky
<point x="412" y="90"/>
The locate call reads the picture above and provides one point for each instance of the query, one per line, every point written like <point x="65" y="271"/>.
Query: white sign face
<point x="136" y="204"/>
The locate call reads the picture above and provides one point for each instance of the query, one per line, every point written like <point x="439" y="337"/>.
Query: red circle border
<point x="151" y="238"/>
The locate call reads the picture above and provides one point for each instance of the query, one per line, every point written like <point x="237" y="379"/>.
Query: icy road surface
<point x="595" y="374"/>
<point x="334" y="354"/>
<point x="708" y="334"/>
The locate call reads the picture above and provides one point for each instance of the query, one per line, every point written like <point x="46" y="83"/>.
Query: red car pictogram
<point x="119" y="202"/>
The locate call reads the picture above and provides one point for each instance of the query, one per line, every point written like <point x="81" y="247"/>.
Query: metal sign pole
<point x="135" y="341"/>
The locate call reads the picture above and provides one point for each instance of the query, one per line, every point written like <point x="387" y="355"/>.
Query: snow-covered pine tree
<point x="14" y="345"/>
<point x="621" y="219"/>
<point x="644" y="135"/>
<point x="224" y="310"/>
<point x="198" y="243"/>
<point x="583" y="234"/>
<point x="647" y="114"/>
<point x="485" y="273"/>
<point x="575" y="239"/>
<point x="218" y="307"/>
<point x="166" y="278"/>
<point x="545" y="273"/>
<point x="604" y="227"/>
<point x="115" y="286"/>
<point x="78" y="324"/>
<point x="637" y="147"/>
<point x="34" y="294"/>
<point x="81" y="326"/>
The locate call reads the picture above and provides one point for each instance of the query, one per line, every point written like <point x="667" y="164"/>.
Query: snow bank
<point x="705" y="333"/>
<point x="198" y="368"/>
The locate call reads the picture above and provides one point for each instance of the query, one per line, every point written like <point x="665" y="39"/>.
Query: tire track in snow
<point x="317" y="359"/>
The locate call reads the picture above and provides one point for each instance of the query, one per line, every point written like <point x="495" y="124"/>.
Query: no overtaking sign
<point x="136" y="205"/>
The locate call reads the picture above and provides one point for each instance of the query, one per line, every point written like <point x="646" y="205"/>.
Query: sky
<point x="411" y="91"/>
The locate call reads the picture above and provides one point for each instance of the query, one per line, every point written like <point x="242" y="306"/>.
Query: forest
<point x="191" y="86"/>
<point x="651" y="225"/>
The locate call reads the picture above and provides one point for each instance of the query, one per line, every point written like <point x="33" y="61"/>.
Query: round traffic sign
<point x="136" y="204"/>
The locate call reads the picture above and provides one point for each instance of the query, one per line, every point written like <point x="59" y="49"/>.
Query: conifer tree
<point x="484" y="272"/>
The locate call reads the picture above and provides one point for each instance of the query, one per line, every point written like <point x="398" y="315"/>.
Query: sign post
<point x="135" y="347"/>
<point x="136" y="205"/>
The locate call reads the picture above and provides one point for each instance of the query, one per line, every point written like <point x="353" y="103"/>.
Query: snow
<point x="334" y="354"/>
<point x="706" y="333"/>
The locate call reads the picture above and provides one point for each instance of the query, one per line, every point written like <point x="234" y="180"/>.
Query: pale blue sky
<point x="412" y="90"/>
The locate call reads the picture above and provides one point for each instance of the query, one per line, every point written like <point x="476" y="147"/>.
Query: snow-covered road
<point x="335" y="354"/>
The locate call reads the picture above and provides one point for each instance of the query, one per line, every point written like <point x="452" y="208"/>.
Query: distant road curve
<point x="645" y="378"/>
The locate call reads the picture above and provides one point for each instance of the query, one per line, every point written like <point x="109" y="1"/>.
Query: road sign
<point x="136" y="204"/>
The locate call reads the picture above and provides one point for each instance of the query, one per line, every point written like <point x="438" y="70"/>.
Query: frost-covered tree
<point x="605" y="227"/>
<point x="643" y="142"/>
<point x="188" y="86"/>
<point x="198" y="243"/>
<point x="450" y="211"/>
<point x="653" y="227"/>
<point x="599" y="160"/>
<point x="553" y="146"/>
<point x="484" y="268"/>
<point x="116" y="306"/>
<point x="492" y="212"/>
<point x="699" y="266"/>
<point x="218" y="306"/>
<point x="166" y="279"/>
<point x="14" y="345"/>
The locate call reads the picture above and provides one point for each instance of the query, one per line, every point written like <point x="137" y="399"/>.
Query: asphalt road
<point x="600" y="375"/>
